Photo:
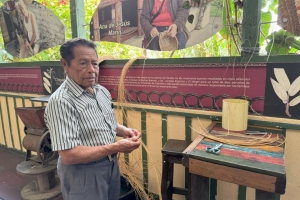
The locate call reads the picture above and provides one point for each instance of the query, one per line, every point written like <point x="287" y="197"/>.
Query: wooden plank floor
<point x="11" y="183"/>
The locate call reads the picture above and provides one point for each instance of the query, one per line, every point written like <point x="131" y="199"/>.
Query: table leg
<point x="198" y="187"/>
<point x="263" y="195"/>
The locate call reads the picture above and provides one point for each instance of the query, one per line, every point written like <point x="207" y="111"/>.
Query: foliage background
<point x="272" y="41"/>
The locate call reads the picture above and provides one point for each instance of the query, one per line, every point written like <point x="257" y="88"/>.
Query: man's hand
<point x="27" y="45"/>
<point x="127" y="145"/>
<point x="131" y="133"/>
<point x="123" y="131"/>
<point x="154" y="32"/>
<point x="172" y="30"/>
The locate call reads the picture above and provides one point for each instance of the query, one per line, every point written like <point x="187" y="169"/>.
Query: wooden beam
<point x="96" y="26"/>
<point x="198" y="187"/>
<point x="77" y="18"/>
<point x="262" y="195"/>
<point x="233" y="175"/>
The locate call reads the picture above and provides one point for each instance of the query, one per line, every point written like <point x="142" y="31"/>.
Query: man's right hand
<point x="154" y="32"/>
<point x="127" y="145"/>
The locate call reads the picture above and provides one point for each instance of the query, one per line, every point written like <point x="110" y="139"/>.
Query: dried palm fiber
<point x="24" y="51"/>
<point x="27" y="2"/>
<point x="267" y="139"/>
<point x="129" y="170"/>
<point x="103" y="58"/>
<point x="167" y="43"/>
<point x="289" y="16"/>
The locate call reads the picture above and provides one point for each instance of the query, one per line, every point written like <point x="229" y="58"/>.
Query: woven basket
<point x="288" y="16"/>
<point x="167" y="43"/>
<point x="104" y="57"/>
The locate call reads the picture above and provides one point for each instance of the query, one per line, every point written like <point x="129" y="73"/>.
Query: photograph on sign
<point x="29" y="27"/>
<point x="161" y="25"/>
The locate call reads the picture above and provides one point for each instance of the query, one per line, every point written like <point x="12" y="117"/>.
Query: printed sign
<point x="28" y="27"/>
<point x="52" y="77"/>
<point x="189" y="85"/>
<point x="18" y="79"/>
<point x="163" y="26"/>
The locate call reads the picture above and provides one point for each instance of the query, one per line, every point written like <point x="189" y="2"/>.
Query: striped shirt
<point x="75" y="116"/>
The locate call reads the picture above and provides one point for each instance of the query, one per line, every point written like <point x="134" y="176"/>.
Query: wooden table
<point x="259" y="167"/>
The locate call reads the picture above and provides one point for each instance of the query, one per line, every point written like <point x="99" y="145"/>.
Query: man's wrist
<point x="121" y="130"/>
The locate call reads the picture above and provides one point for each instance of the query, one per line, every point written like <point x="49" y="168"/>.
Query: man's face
<point x="83" y="69"/>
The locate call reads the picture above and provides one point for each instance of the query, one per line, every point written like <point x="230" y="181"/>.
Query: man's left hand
<point x="172" y="30"/>
<point x="131" y="133"/>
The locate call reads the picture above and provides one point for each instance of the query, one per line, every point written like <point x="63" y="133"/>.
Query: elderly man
<point x="83" y="128"/>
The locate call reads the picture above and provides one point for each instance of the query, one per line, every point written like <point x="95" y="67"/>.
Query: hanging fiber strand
<point x="129" y="170"/>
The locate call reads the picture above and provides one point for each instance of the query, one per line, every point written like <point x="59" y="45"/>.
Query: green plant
<point x="225" y="43"/>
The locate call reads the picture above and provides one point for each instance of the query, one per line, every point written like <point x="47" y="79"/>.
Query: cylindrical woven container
<point x="235" y="114"/>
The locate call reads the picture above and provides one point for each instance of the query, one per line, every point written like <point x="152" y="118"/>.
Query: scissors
<point x="214" y="150"/>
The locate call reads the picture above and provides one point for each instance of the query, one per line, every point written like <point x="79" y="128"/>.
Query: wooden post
<point x="140" y="7"/>
<point x="96" y="26"/>
<point x="118" y="7"/>
<point x="46" y="181"/>
<point x="198" y="187"/>
<point x="77" y="18"/>
<point x="263" y="195"/>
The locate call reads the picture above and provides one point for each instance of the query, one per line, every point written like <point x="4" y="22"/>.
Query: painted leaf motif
<point x="279" y="90"/>
<point x="295" y="87"/>
<point x="46" y="81"/>
<point x="47" y="74"/>
<point x="47" y="88"/>
<point x="295" y="101"/>
<point x="282" y="78"/>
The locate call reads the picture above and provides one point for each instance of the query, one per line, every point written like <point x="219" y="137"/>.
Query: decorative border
<point x="26" y="88"/>
<point x="196" y="65"/>
<point x="134" y="96"/>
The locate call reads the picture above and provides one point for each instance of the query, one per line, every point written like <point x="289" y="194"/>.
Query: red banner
<point x="20" y="79"/>
<point x="189" y="86"/>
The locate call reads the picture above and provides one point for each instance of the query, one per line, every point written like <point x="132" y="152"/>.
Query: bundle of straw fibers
<point x="103" y="58"/>
<point x="27" y="2"/>
<point x="289" y="16"/>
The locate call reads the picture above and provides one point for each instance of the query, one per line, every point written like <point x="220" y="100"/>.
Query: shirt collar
<point x="75" y="88"/>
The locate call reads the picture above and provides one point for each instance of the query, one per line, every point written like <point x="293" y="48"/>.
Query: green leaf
<point x="265" y="17"/>
<point x="264" y="3"/>
<point x="277" y="49"/>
